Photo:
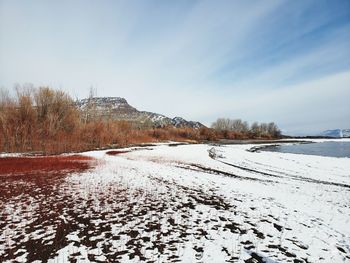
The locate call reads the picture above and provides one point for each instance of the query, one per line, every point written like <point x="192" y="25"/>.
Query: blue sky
<point x="282" y="61"/>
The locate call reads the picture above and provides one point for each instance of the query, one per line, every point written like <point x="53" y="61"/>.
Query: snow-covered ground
<point x="174" y="203"/>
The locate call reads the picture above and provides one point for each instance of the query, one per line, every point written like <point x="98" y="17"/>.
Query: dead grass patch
<point x="30" y="165"/>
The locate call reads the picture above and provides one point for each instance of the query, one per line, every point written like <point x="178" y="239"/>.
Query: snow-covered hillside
<point x="346" y="133"/>
<point x="337" y="133"/>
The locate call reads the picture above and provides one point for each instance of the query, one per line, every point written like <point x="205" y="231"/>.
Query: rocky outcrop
<point x="117" y="108"/>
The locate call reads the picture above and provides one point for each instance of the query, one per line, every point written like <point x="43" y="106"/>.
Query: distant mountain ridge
<point x="337" y="133"/>
<point x="118" y="108"/>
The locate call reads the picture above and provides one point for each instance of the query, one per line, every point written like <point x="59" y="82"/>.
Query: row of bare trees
<point x="256" y="130"/>
<point x="47" y="121"/>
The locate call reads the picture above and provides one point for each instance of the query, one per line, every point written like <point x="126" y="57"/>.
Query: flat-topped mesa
<point x="106" y="103"/>
<point x="118" y="108"/>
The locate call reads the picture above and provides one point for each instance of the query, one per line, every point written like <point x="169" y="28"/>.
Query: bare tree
<point x="242" y="127"/>
<point x="222" y="124"/>
<point x="239" y="126"/>
<point x="90" y="110"/>
<point x="273" y="130"/>
<point x="255" y="129"/>
<point x="263" y="129"/>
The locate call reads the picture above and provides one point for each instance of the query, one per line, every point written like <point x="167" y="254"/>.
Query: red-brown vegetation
<point x="47" y="121"/>
<point x="43" y="164"/>
<point x="20" y="175"/>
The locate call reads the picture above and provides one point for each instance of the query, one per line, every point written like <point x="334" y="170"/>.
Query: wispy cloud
<point x="197" y="59"/>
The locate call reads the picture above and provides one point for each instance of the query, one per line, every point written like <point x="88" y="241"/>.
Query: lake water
<point x="333" y="149"/>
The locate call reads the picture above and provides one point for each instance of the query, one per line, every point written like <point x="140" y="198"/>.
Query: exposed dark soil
<point x="115" y="152"/>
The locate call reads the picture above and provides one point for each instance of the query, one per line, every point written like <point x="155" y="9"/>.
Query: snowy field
<point x="183" y="203"/>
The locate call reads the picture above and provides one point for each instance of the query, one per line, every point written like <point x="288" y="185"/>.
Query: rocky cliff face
<point x="118" y="108"/>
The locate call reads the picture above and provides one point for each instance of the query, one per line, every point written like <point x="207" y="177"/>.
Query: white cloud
<point x="200" y="60"/>
<point x="310" y="106"/>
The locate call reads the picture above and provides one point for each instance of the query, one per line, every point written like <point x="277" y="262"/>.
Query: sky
<point x="273" y="60"/>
